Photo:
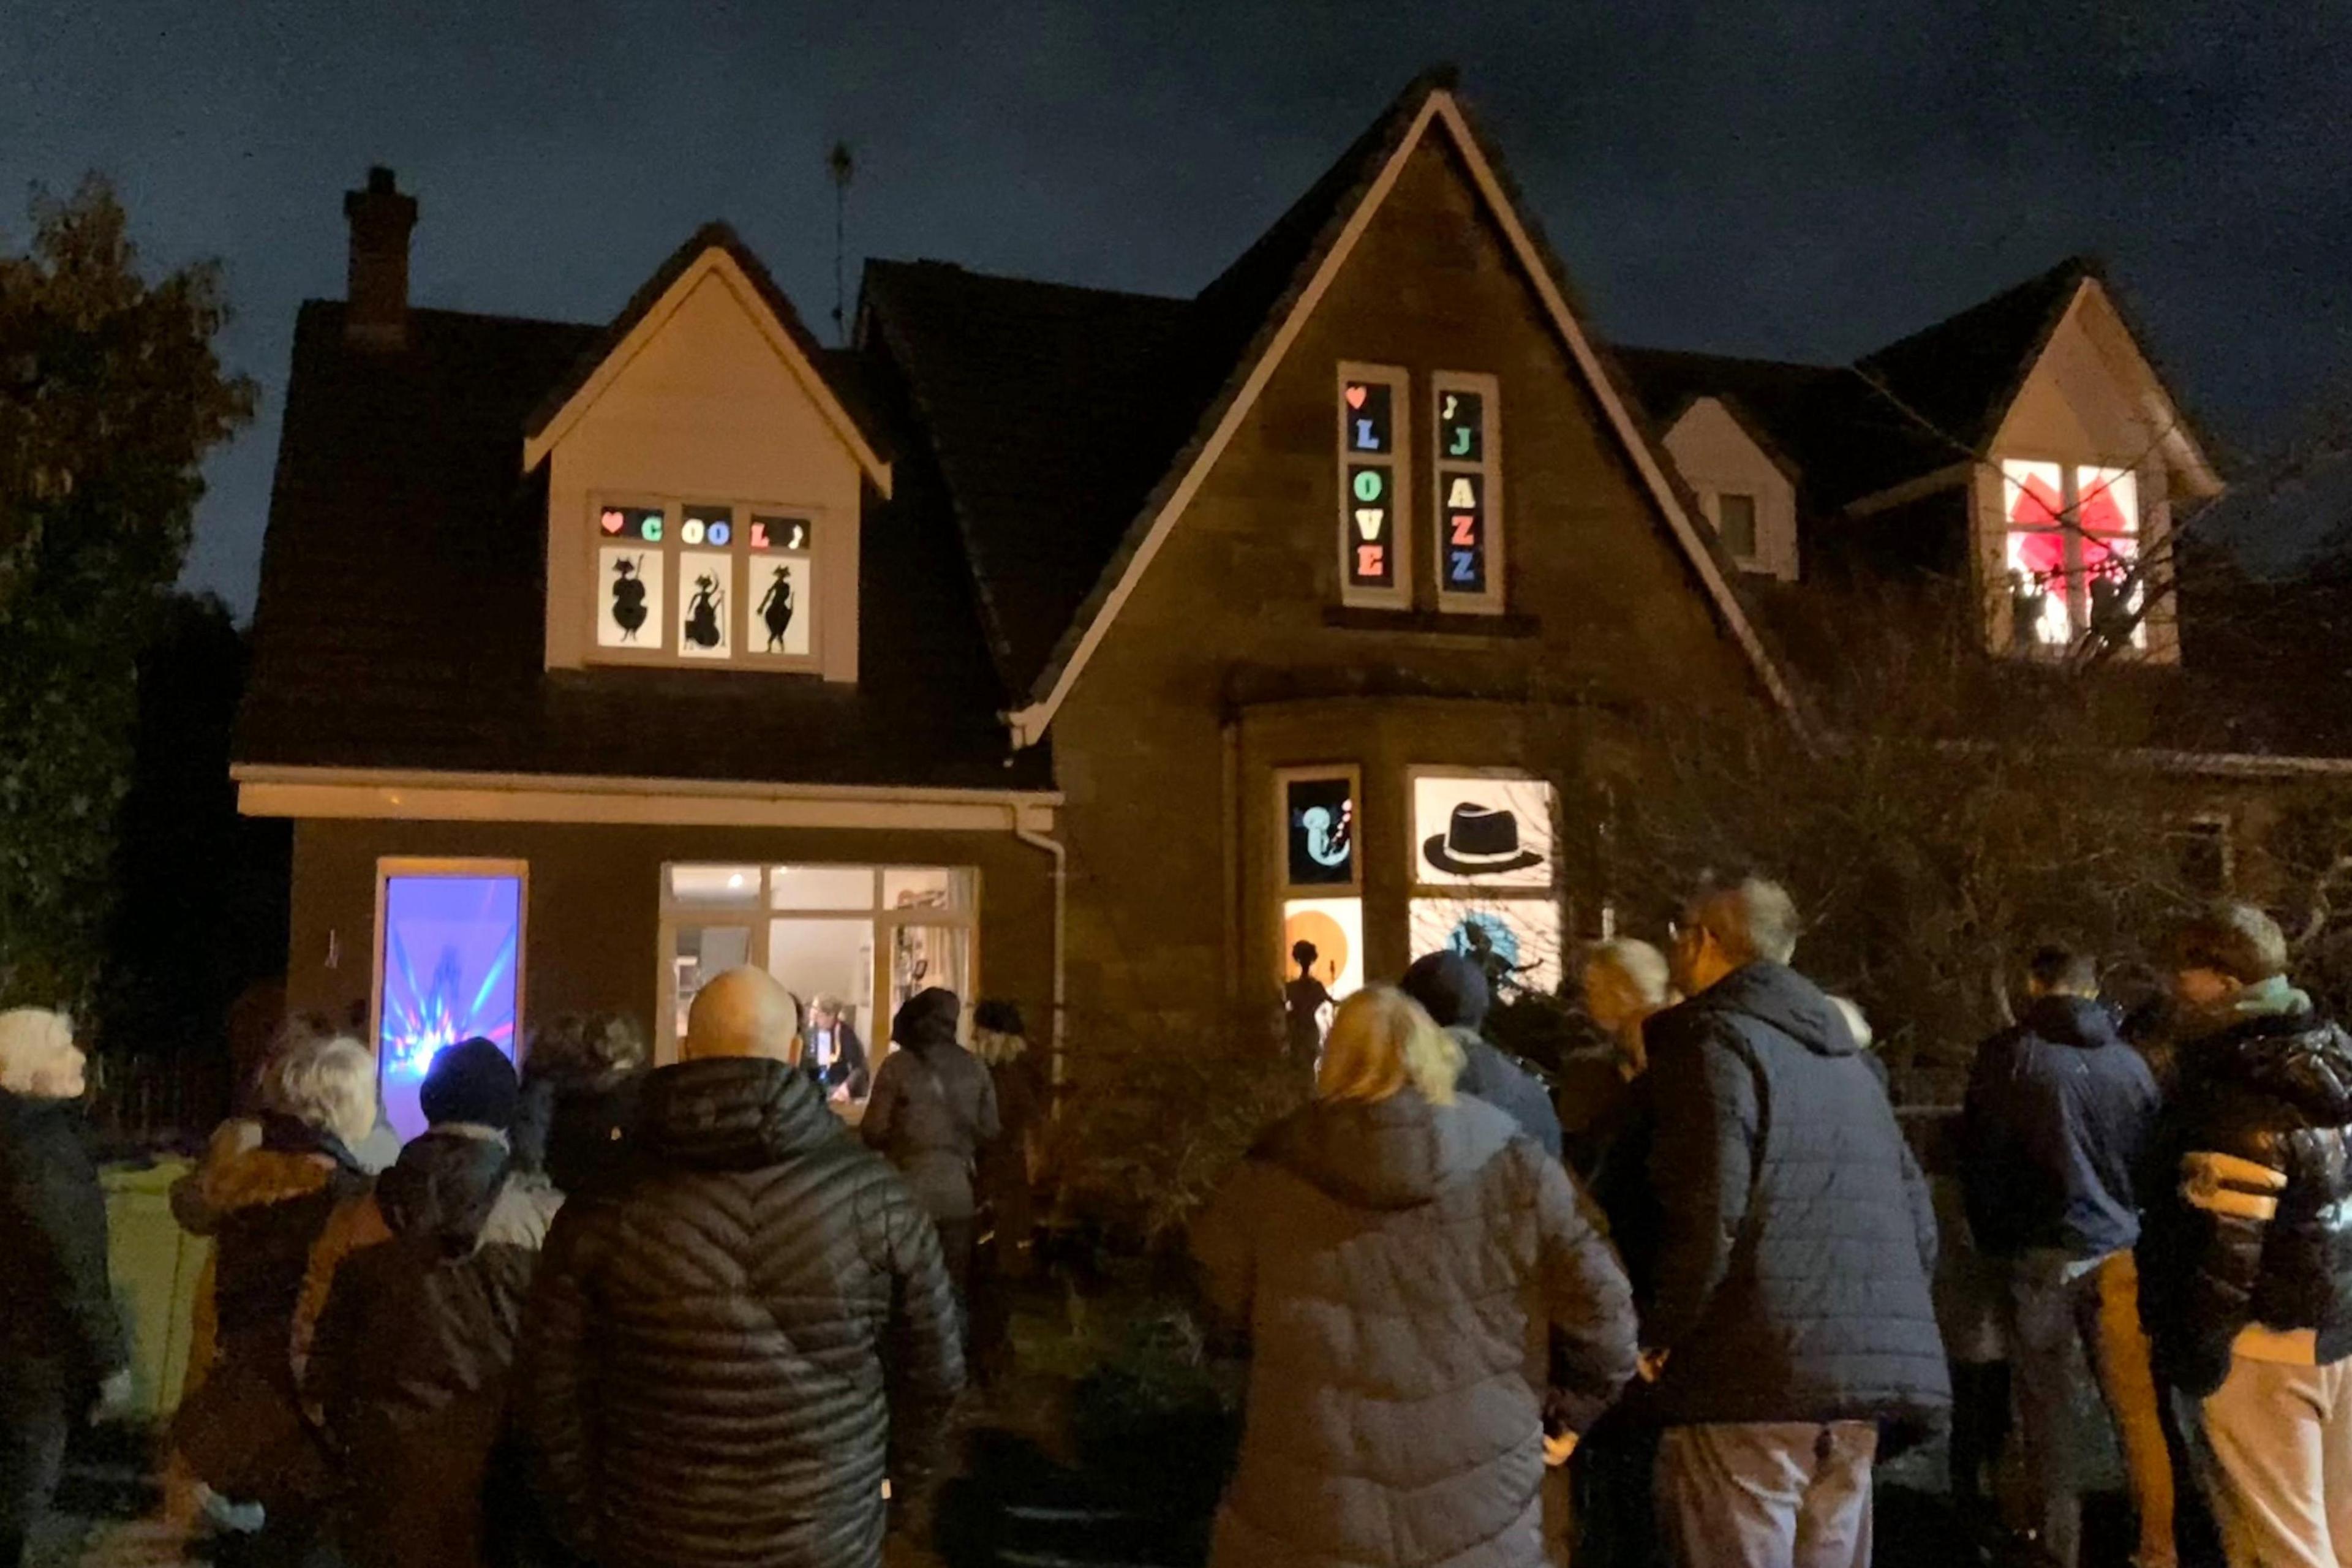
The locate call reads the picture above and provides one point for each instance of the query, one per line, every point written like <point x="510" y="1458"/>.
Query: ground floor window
<point x="449" y="951"/>
<point x="861" y="939"/>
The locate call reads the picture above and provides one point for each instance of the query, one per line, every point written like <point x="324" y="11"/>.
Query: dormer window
<point x="2071" y="553"/>
<point x="705" y="583"/>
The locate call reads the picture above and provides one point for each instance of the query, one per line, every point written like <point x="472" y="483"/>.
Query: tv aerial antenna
<point x="842" y="167"/>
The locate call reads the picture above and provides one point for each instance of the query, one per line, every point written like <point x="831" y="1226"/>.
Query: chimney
<point x="376" y="315"/>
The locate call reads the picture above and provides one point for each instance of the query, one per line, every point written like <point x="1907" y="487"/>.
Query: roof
<point x="1960" y="376"/>
<point x="402" y="604"/>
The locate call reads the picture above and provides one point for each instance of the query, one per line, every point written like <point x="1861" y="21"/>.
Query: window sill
<point x="1432" y="623"/>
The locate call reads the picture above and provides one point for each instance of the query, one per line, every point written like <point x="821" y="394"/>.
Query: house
<point x="1126" y="657"/>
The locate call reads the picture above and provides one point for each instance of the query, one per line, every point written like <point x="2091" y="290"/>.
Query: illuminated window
<point x="1466" y="503"/>
<point x="1735" y="519"/>
<point x="1485" y="880"/>
<point x="1374" y="566"/>
<point x="866" y="937"/>
<point x="704" y="583"/>
<point x="449" y="947"/>
<point x="2071" y="550"/>
<point x="1321" y="960"/>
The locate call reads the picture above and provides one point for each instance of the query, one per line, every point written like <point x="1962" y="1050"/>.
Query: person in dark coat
<point x="423" y="1284"/>
<point x="1006" y="1176"/>
<point x="722" y="1365"/>
<point x="934" y="1108"/>
<point x="61" y="1342"/>
<point x="1790" y="1315"/>
<point x="1403" y="1259"/>
<point x="239" y="1429"/>
<point x="2246" y="1261"/>
<point x="576" y="1124"/>
<point x="835" y="1054"/>
<point x="2055" y="1130"/>
<point x="1452" y="991"/>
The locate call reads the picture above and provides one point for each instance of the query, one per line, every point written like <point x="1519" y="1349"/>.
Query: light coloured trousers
<point x="2055" y="1305"/>
<point x="1778" y="1495"/>
<point x="2281" y="1438"/>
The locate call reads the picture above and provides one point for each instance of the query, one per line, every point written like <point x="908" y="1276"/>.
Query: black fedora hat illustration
<point x="1479" y="841"/>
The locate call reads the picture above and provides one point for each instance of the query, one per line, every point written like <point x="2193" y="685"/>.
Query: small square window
<point x="1735" y="519"/>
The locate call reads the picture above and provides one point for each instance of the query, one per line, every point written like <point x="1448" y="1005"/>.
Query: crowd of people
<point x="602" y="1313"/>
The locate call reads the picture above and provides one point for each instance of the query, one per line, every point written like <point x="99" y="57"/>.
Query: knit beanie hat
<point x="471" y="1081"/>
<point x="927" y="1019"/>
<point x="1450" y="989"/>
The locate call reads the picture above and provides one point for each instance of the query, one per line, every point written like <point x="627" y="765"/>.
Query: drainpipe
<point x="1061" y="854"/>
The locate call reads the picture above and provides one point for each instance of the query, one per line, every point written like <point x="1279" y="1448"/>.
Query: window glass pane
<point x="1515" y="942"/>
<point x="702" y="953"/>
<point x="1371" y="417"/>
<point x="635" y="524"/>
<point x="705" y="593"/>
<point x="2109" y="561"/>
<point x="1736" y="515"/>
<point x="926" y="887"/>
<point x="2107" y="499"/>
<point x="711" y="525"/>
<point x="2031" y="496"/>
<point x="833" y="958"/>
<point x="451" y="957"/>
<point x="925" y="957"/>
<point x="2039" y="616"/>
<point x="782" y="585"/>
<point x="1371" y="552"/>
<point x="823" y="887"/>
<point x="1461" y="426"/>
<point x="1322" y="964"/>
<point x="721" y="885"/>
<point x="1464" y="525"/>
<point x="1484" y="832"/>
<point x="1320" y="815"/>
<point x="631" y="616"/>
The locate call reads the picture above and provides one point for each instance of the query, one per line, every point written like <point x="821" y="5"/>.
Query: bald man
<point x="725" y="1363"/>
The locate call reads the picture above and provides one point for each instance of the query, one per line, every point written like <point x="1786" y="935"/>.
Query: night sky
<point x="1793" y="178"/>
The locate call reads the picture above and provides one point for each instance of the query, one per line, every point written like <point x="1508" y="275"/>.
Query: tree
<point x="110" y="395"/>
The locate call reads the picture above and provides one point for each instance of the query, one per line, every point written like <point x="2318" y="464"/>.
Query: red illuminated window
<point x="2071" y="551"/>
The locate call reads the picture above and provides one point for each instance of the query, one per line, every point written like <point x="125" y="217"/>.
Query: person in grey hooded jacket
<point x="1401" y="1259"/>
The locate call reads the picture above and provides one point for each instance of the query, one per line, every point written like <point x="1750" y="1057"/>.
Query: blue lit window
<point x="450" y="969"/>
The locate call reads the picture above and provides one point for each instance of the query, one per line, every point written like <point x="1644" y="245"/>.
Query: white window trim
<point x="740" y="556"/>
<point x="387" y="866"/>
<point x="1398" y="464"/>
<point x="1489" y="468"/>
<point x="757" y="916"/>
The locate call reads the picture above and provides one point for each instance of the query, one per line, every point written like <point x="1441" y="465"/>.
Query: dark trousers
<point x="35" y="1410"/>
<point x="1981" y="1420"/>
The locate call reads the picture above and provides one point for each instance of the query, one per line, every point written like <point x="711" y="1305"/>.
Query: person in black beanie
<point x="1453" y="991"/>
<point x="417" y="1291"/>
<point x="933" y="1107"/>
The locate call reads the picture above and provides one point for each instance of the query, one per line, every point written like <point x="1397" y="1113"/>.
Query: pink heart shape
<point x="1355" y="397"/>
<point x="611" y="521"/>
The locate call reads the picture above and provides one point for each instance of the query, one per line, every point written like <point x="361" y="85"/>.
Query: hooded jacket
<point x="2250" y="1238"/>
<point x="1797" y="1239"/>
<point x="934" y="1105"/>
<point x="55" y="1302"/>
<point x="2057" y="1123"/>
<point x="1453" y="991"/>
<point x="1403" y="1269"/>
<point x="722" y="1364"/>
<point x="408" y="1368"/>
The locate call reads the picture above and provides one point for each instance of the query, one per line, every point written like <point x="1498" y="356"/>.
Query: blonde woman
<point x="1401" y="1257"/>
<point x="60" y="1341"/>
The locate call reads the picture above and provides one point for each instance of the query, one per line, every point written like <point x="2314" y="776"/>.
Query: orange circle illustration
<point x="1330" y="943"/>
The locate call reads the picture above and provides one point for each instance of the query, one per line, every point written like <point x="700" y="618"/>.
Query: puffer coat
<point x="2250" y="1226"/>
<point x="1400" y="1266"/>
<point x="1797" y="1236"/>
<point x="409" y="1364"/>
<point x="934" y="1106"/>
<point x="722" y="1364"/>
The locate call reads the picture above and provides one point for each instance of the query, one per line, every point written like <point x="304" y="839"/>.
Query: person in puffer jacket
<point x="2246" y="1258"/>
<point x="1403" y="1259"/>
<point x="723" y="1363"/>
<point x="1790" y="1315"/>
<point x="423" y="1284"/>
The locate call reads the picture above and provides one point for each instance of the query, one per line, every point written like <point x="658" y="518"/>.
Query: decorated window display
<point x="1485" y="878"/>
<point x="1465" y="504"/>
<point x="2071" y="551"/>
<point x="1374" y="566"/>
<point x="706" y="583"/>
<point x="1320" y="961"/>
<point x="448" y="968"/>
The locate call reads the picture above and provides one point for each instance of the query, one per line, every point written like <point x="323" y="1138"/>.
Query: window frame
<point x="1399" y="463"/>
<point x="1492" y="599"/>
<point x="741" y="655"/>
<point x="1417" y="891"/>
<point x="757" y="915"/>
<point x="388" y="867"/>
<point x="1753" y="556"/>
<point x="2070" y="532"/>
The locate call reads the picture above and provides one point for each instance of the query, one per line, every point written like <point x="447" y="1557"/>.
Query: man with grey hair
<point x="725" y="1362"/>
<point x="1787" y="1319"/>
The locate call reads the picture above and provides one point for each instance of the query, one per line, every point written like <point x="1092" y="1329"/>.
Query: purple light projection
<point x="450" y="947"/>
